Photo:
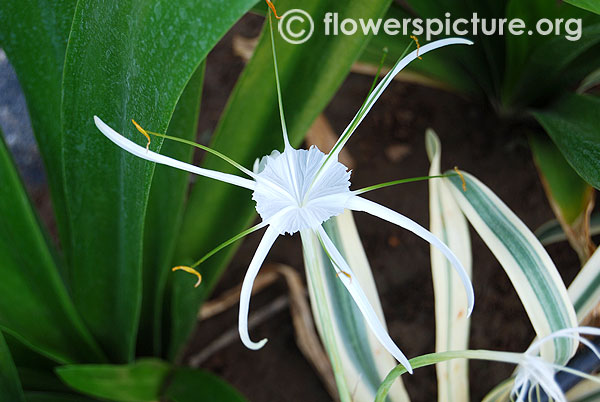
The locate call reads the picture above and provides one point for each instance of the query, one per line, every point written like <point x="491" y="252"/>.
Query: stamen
<point x="378" y="73"/>
<point x="193" y="144"/>
<point x="343" y="273"/>
<point x="229" y="242"/>
<point x="462" y="178"/>
<point x="189" y="270"/>
<point x="395" y="182"/>
<point x="286" y="140"/>
<point x="272" y="7"/>
<point x="141" y="130"/>
<point x="413" y="37"/>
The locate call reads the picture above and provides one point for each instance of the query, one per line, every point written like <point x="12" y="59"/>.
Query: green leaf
<point x="356" y="353"/>
<point x="553" y="65"/>
<point x="310" y="74"/>
<point x="525" y="261"/>
<point x="570" y="197"/>
<point x="36" y="372"/>
<point x="574" y="125"/>
<point x="34" y="305"/>
<point x="124" y="60"/>
<point x="53" y="397"/>
<point x="189" y="385"/>
<point x="451" y="322"/>
<point x="138" y="382"/>
<point x="590" y="5"/>
<point x="34" y="35"/>
<point x="10" y="386"/>
<point x="164" y="214"/>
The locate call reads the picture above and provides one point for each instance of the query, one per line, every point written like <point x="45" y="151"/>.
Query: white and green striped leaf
<point x="585" y="288"/>
<point x="525" y="261"/>
<point x="358" y="359"/>
<point x="451" y="322"/>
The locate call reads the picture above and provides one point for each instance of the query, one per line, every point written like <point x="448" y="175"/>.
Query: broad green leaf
<point x="34" y="35"/>
<point x="570" y="197"/>
<point x="474" y="69"/>
<point x="525" y="261"/>
<point x="585" y="288"/>
<point x="310" y="74"/>
<point x="54" y="397"/>
<point x="554" y="65"/>
<point x="551" y="232"/>
<point x="10" y="386"/>
<point x="164" y="214"/>
<point x="534" y="62"/>
<point x="363" y="361"/>
<point x="574" y="125"/>
<point x="34" y="306"/>
<point x="125" y="60"/>
<point x="142" y="381"/>
<point x="590" y="5"/>
<point x="187" y="385"/>
<point x="451" y="322"/>
<point x="36" y="371"/>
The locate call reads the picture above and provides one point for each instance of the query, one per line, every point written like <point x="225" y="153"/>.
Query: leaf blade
<point x="138" y="382"/>
<point x="35" y="305"/>
<point x="452" y="324"/>
<point x="524" y="260"/>
<point x="573" y="123"/>
<point x="135" y="67"/>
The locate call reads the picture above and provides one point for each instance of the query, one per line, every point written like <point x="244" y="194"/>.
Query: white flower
<point x="300" y="189"/>
<point x="533" y="371"/>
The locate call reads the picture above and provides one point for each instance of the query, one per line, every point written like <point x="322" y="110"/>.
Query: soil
<point x="390" y="145"/>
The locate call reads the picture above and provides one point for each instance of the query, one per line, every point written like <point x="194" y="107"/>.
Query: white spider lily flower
<point x="533" y="371"/>
<point x="300" y="189"/>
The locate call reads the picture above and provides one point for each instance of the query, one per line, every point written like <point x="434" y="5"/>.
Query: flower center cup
<point x="289" y="193"/>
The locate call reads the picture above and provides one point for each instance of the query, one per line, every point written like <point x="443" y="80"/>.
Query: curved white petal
<point x="376" y="93"/>
<point x="351" y="283"/>
<point x="259" y="257"/>
<point x="141" y="152"/>
<point x="370" y="207"/>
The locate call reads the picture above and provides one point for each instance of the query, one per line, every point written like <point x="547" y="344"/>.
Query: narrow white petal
<point x="259" y="257"/>
<point x="380" y="88"/>
<point x="141" y="152"/>
<point x="351" y="283"/>
<point x="370" y="207"/>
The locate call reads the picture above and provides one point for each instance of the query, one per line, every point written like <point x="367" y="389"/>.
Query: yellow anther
<point x="464" y="183"/>
<point x="141" y="130"/>
<point x="413" y="37"/>
<point x="272" y="7"/>
<point x="344" y="273"/>
<point x="189" y="270"/>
